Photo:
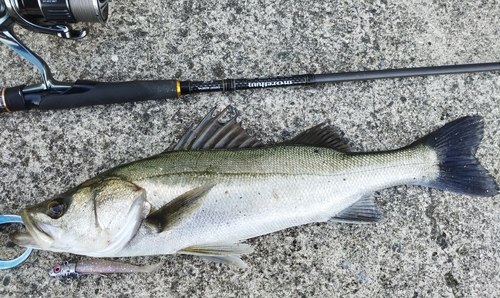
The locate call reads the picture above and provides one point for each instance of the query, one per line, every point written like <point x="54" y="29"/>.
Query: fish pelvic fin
<point x="210" y="133"/>
<point x="179" y="209"/>
<point x="321" y="135"/>
<point x="364" y="211"/>
<point x="225" y="253"/>
<point x="455" y="145"/>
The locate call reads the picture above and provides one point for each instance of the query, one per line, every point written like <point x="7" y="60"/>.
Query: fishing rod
<point x="88" y="93"/>
<point x="53" y="17"/>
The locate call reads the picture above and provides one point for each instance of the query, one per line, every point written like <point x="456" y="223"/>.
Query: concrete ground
<point x="432" y="244"/>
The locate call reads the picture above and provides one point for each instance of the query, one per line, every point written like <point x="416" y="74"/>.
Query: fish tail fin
<point x="456" y="144"/>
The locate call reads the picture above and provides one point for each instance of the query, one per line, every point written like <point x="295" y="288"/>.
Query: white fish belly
<point x="243" y="206"/>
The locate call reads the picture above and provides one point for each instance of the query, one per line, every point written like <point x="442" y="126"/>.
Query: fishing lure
<point x="98" y="266"/>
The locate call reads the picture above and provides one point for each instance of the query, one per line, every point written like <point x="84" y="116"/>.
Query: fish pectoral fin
<point x="321" y="136"/>
<point x="179" y="209"/>
<point x="225" y="253"/>
<point x="364" y="211"/>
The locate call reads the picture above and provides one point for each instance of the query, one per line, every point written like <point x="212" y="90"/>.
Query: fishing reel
<point x="53" y="16"/>
<point x="49" y="17"/>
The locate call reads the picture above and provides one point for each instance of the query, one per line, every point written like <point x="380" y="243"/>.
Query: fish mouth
<point x="39" y="234"/>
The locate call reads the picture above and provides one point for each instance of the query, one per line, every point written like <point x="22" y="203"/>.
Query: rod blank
<point x="404" y="72"/>
<point x="188" y="87"/>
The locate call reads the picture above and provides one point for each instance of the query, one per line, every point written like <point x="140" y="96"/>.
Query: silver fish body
<point x="273" y="189"/>
<point x="218" y="186"/>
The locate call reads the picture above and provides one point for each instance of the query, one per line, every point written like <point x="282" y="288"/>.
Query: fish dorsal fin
<point x="321" y="136"/>
<point x="179" y="209"/>
<point x="365" y="210"/>
<point x="226" y="253"/>
<point x="212" y="134"/>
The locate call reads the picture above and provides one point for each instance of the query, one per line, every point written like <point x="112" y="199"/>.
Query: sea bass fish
<point x="218" y="186"/>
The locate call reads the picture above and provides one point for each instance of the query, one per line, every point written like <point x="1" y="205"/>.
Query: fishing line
<point x="7" y="264"/>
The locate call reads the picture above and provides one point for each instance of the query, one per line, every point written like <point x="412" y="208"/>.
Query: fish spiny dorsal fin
<point x="179" y="209"/>
<point x="186" y="142"/>
<point x="321" y="136"/>
<point x="212" y="134"/>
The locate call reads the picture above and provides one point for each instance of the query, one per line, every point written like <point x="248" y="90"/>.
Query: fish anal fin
<point x="225" y="253"/>
<point x="227" y="260"/>
<point x="179" y="209"/>
<point x="321" y="136"/>
<point x="212" y="134"/>
<point x="364" y="211"/>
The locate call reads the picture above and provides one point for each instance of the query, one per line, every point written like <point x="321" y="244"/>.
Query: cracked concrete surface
<point x="433" y="243"/>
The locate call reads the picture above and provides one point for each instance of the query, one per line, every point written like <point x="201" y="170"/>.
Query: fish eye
<point x="56" y="208"/>
<point x="57" y="269"/>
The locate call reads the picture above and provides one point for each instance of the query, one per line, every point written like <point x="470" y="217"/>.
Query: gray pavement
<point x="432" y="244"/>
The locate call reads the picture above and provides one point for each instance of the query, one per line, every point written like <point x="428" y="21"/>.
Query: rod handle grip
<point x="88" y="93"/>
